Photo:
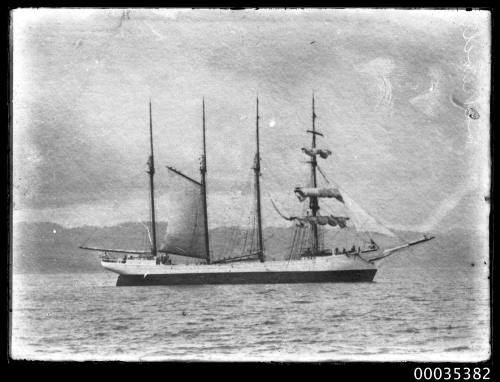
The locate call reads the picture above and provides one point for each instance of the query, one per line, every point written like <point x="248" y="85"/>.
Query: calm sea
<point x="408" y="313"/>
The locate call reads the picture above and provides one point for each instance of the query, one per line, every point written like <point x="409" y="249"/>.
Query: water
<point x="417" y="314"/>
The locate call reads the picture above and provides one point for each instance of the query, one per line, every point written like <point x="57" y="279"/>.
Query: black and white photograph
<point x="218" y="185"/>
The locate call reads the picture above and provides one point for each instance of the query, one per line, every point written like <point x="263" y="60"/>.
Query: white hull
<point x="319" y="269"/>
<point x="149" y="267"/>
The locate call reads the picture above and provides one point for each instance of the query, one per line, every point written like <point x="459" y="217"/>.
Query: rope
<point x="298" y="241"/>
<point x="146" y="236"/>
<point x="244" y="242"/>
<point x="373" y="217"/>
<point x="294" y="239"/>
<point x="88" y="238"/>
<point x="239" y="238"/>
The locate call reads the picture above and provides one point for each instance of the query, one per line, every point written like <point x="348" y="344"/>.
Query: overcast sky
<point x="392" y="89"/>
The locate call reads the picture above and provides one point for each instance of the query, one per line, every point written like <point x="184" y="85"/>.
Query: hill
<point x="52" y="248"/>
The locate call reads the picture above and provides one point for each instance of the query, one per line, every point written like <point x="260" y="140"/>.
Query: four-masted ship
<point x="309" y="261"/>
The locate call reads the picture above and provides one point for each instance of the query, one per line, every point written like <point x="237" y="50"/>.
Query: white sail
<point x="186" y="234"/>
<point x="362" y="220"/>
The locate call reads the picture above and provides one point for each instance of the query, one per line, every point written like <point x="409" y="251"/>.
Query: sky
<point x="393" y="90"/>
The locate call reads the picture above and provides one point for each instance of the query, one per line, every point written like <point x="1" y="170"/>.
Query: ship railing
<point x="225" y="260"/>
<point x="351" y="251"/>
<point x="105" y="259"/>
<point x="108" y="259"/>
<point x="309" y="252"/>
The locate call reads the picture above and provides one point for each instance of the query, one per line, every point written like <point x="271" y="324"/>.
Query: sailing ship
<point x="309" y="260"/>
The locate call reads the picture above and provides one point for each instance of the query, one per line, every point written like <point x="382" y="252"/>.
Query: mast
<point x="151" y="172"/>
<point x="257" y="189"/>
<point x="203" y="170"/>
<point x="313" y="204"/>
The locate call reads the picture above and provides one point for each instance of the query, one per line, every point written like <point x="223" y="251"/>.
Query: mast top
<point x="151" y="171"/>
<point x="257" y="185"/>
<point x="314" y="114"/>
<point x="204" y="128"/>
<point x="203" y="170"/>
<point x="313" y="123"/>
<point x="151" y="128"/>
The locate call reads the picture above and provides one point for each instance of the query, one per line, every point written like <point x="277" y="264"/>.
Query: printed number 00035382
<point x="453" y="374"/>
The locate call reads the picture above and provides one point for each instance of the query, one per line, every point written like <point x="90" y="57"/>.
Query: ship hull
<point x="307" y="270"/>
<point x="359" y="275"/>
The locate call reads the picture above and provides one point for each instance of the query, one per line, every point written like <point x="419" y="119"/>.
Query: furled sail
<point x="322" y="192"/>
<point x="334" y="221"/>
<point x="185" y="235"/>
<point x="323" y="153"/>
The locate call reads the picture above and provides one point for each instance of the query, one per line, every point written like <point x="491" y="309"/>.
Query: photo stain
<point x="472" y="113"/>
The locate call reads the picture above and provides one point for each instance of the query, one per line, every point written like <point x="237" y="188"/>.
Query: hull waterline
<point x="353" y="276"/>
